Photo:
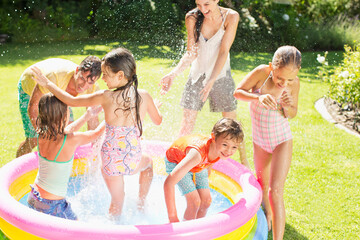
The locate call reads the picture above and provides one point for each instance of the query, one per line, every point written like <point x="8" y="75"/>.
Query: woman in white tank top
<point x="211" y="30"/>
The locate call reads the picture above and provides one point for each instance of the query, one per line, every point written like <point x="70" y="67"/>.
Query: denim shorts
<point x="24" y="99"/>
<point x="221" y="98"/>
<point x="188" y="184"/>
<point x="58" y="208"/>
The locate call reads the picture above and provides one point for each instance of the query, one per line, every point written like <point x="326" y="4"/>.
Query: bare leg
<point x="193" y="203"/>
<point x="188" y="122"/>
<point x="262" y="160"/>
<point x="145" y="180"/>
<point x="26" y="146"/>
<point x="280" y="166"/>
<point x="242" y="149"/>
<point x="205" y="198"/>
<point x="115" y="185"/>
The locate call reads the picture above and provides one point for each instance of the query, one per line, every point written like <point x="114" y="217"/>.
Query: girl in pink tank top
<point x="272" y="91"/>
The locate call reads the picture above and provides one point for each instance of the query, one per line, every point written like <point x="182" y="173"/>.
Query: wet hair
<point x="228" y="127"/>
<point x="121" y="59"/>
<point x="287" y="55"/>
<point x="92" y="64"/>
<point x="197" y="14"/>
<point x="52" y="117"/>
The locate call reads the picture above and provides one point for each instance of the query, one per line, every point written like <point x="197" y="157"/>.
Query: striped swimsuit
<point x="269" y="127"/>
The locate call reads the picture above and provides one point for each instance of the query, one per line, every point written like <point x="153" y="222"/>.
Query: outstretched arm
<point x="86" y="100"/>
<point x="192" y="159"/>
<point x="227" y="41"/>
<point x="82" y="138"/>
<point x="153" y="109"/>
<point x="90" y="113"/>
<point x="33" y="109"/>
<point x="187" y="58"/>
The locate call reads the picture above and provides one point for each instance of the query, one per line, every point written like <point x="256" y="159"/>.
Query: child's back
<point x="56" y="147"/>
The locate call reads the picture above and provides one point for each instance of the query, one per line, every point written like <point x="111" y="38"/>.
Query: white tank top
<point x="208" y="51"/>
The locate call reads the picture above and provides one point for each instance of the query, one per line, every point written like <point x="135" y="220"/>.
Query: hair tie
<point x="134" y="77"/>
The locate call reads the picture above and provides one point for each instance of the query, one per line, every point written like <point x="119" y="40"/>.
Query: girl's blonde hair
<point x="287" y="55"/>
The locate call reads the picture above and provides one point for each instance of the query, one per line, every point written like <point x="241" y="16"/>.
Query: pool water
<point x="90" y="201"/>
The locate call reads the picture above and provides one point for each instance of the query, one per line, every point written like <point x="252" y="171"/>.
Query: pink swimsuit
<point x="269" y="127"/>
<point x="121" y="150"/>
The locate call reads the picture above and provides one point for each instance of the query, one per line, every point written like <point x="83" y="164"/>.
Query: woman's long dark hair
<point x="121" y="59"/>
<point x="197" y="14"/>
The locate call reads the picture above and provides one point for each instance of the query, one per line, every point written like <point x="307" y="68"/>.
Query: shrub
<point x="153" y="22"/>
<point x="345" y="82"/>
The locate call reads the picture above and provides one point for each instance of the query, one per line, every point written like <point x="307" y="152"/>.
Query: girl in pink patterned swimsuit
<point x="125" y="107"/>
<point x="272" y="91"/>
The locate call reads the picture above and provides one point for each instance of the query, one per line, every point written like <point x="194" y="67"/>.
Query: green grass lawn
<point x="322" y="194"/>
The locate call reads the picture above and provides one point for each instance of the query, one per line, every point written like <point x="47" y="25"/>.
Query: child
<point x="272" y="91"/>
<point x="188" y="161"/>
<point x="125" y="107"/>
<point x="56" y="147"/>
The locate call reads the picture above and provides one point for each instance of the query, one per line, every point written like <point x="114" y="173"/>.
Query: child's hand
<point x="268" y="101"/>
<point x="157" y="102"/>
<point x="166" y="83"/>
<point x="93" y="111"/>
<point x="204" y="93"/>
<point x="39" y="77"/>
<point x="286" y="99"/>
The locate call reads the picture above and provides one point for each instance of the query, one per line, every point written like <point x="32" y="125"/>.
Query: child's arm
<point x="250" y="82"/>
<point x="152" y="108"/>
<point x="187" y="58"/>
<point x="86" y="100"/>
<point x="82" y="138"/>
<point x="191" y="159"/>
<point x="289" y="99"/>
<point x="89" y="114"/>
<point x="33" y="107"/>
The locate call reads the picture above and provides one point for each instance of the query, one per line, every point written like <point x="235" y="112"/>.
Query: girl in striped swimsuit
<point x="272" y="91"/>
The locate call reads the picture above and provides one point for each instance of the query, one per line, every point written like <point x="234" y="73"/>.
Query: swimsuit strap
<point x="58" y="151"/>
<point x="224" y="18"/>
<point x="270" y="75"/>
<point x="60" y="148"/>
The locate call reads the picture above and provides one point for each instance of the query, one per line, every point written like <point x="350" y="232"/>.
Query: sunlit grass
<point x="322" y="190"/>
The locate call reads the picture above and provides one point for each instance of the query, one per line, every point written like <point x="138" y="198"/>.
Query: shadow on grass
<point x="17" y="53"/>
<point x="290" y="234"/>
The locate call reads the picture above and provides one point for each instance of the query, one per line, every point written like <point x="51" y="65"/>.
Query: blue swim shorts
<point x="58" y="208"/>
<point x="24" y="99"/>
<point x="187" y="184"/>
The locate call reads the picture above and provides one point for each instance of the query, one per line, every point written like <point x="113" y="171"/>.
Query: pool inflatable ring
<point x="243" y="220"/>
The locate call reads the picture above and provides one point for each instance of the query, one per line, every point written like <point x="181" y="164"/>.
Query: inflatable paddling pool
<point x="243" y="220"/>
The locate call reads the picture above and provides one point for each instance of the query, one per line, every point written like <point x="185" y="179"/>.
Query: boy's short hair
<point x="227" y="126"/>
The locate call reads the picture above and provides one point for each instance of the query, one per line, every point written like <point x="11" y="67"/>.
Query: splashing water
<point x="90" y="198"/>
